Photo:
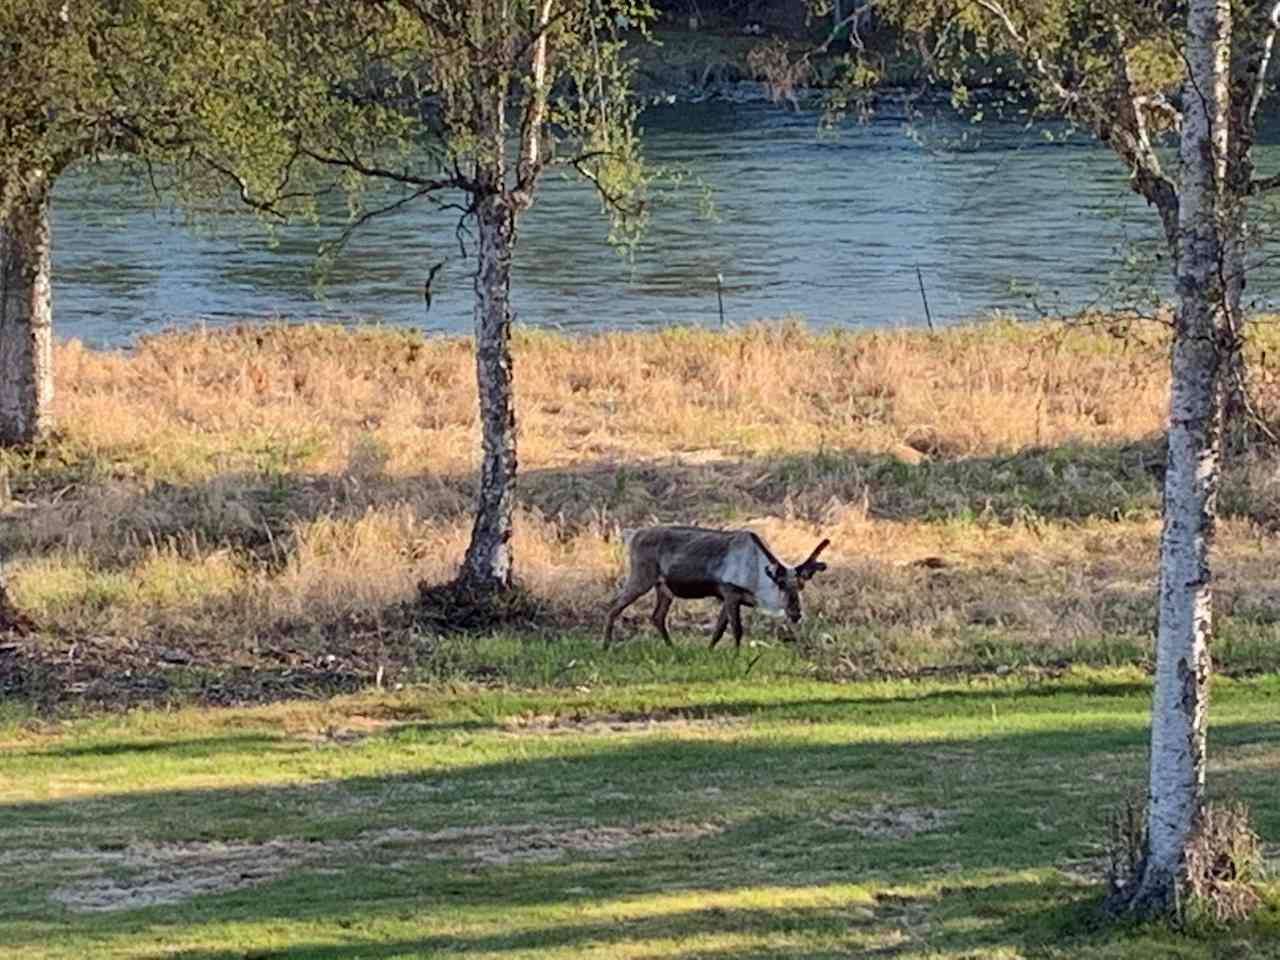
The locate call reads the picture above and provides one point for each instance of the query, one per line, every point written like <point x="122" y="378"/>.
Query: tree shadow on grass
<point x="197" y="746"/>
<point x="880" y="814"/>
<point x="1012" y="914"/>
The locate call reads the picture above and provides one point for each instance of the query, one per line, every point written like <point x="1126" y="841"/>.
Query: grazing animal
<point x="692" y="562"/>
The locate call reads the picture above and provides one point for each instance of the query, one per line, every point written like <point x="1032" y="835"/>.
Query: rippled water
<point x="827" y="226"/>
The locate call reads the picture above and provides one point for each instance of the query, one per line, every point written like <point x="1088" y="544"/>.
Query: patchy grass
<point x="708" y="818"/>
<point x="247" y="514"/>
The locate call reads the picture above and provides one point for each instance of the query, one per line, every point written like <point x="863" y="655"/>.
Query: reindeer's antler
<point x="811" y="564"/>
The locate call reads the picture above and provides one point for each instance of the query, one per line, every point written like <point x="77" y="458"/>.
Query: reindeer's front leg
<point x="729" y="615"/>
<point x="636" y="587"/>
<point x="660" y="609"/>
<point x="721" y="623"/>
<point x="735" y="619"/>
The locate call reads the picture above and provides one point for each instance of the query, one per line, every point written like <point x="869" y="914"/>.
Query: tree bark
<point x="1202" y="344"/>
<point x="26" y="319"/>
<point x="487" y="565"/>
<point x="1240" y="420"/>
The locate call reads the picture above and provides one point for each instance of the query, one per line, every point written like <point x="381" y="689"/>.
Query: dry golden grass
<point x="222" y="486"/>
<point x="374" y="403"/>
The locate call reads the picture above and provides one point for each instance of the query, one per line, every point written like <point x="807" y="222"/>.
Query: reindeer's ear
<point x="778" y="574"/>
<point x="808" y="570"/>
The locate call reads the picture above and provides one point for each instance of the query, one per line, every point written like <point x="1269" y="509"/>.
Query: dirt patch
<point x="350" y="730"/>
<point x="499" y="845"/>
<point x="145" y="874"/>
<point x="892" y="823"/>
<point x="614" y="723"/>
<point x="114" y="673"/>
<point x="12" y="620"/>
<point x="455" y="607"/>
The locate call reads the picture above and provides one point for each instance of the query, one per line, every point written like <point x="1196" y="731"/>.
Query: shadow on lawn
<point x="576" y="717"/>
<point x="1026" y="914"/>
<point x="993" y="806"/>
<point x="199" y="746"/>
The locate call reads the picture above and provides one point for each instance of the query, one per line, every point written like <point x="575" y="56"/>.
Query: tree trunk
<point x="1201" y="347"/>
<point x="487" y="565"/>
<point x="26" y="319"/>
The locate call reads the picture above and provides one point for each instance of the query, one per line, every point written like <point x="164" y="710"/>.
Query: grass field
<point x="228" y="729"/>
<point x="234" y="516"/>
<point x="713" y="817"/>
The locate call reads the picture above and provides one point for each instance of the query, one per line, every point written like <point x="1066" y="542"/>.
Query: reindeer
<point x="692" y="562"/>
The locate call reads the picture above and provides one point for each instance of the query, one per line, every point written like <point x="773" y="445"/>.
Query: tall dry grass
<point x="196" y="405"/>
<point x="219" y="485"/>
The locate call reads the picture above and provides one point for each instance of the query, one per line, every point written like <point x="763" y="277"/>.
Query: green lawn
<point x="708" y="816"/>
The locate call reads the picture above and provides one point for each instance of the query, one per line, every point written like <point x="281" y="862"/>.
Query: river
<point x="827" y="226"/>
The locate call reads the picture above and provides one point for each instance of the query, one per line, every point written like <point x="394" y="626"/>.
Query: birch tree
<point x="1195" y="72"/>
<point x="506" y="89"/>
<point x="1209" y="278"/>
<point x="202" y="95"/>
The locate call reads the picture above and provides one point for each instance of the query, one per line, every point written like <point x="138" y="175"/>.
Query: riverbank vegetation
<point x="247" y="514"/>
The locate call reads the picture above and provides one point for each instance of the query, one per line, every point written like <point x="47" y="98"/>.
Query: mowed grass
<point x="245" y="514"/>
<point x="714" y="818"/>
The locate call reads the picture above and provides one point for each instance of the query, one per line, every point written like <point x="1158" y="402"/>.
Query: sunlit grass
<point x="726" y="818"/>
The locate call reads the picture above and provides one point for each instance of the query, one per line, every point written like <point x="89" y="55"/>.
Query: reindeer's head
<point x="791" y="580"/>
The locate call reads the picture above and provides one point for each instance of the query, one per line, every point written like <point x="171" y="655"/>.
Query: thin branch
<point x="267" y="207"/>
<point x="1131" y="140"/>
<point x="1260" y="81"/>
<point x="1263" y="184"/>
<point x="529" y="166"/>
<point x="460" y="231"/>
<point x="425" y="184"/>
<point x="331" y="249"/>
<point x="614" y="200"/>
<point x="1069" y="97"/>
<point x="849" y="21"/>
<point x="539" y="35"/>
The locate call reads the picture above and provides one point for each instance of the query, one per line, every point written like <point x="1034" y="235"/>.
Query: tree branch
<point x="1263" y="185"/>
<point x="1260" y="80"/>
<point x="530" y="164"/>
<point x="614" y="200"/>
<point x="1131" y="140"/>
<point x="332" y="249"/>
<point x="1069" y="97"/>
<point x="426" y="184"/>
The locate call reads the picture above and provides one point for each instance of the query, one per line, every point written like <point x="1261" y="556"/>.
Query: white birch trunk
<point x="487" y="565"/>
<point x="1179" y="707"/>
<point x="26" y="319"/>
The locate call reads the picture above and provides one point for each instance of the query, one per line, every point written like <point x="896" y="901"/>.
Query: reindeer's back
<point x="684" y="552"/>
